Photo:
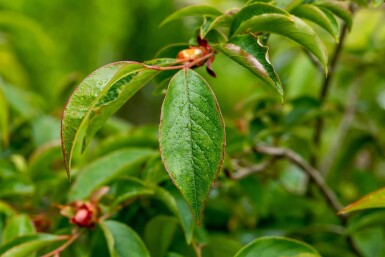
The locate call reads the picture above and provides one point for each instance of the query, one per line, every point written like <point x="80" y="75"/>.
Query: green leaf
<point x="194" y="10"/>
<point x="186" y="218"/>
<point x="97" y="97"/>
<point x="25" y="246"/>
<point x="339" y="10"/>
<point x="105" y="169"/>
<point x="254" y="10"/>
<point x="122" y="240"/>
<point x="291" y="27"/>
<point x="276" y="247"/>
<point x="323" y="18"/>
<point x="159" y="233"/>
<point x="205" y="28"/>
<point x="248" y="51"/>
<point x="127" y="188"/>
<point x="17" y="226"/>
<point x="192" y="137"/>
<point x="7" y="209"/>
<point x="375" y="199"/>
<point x="223" y="20"/>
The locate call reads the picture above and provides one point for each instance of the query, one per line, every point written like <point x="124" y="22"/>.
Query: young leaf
<point x="339" y="10"/>
<point x="253" y="10"/>
<point x="291" y="27"/>
<point x="192" y="137"/>
<point x="277" y="246"/>
<point x="323" y="18"/>
<point x="122" y="240"/>
<point x="194" y="10"/>
<point x="248" y="51"/>
<point x="375" y="199"/>
<point x="97" y="97"/>
<point x="27" y="245"/>
<point x="105" y="169"/>
<point x="17" y="226"/>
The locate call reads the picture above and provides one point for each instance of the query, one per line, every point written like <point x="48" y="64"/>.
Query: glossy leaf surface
<point x="122" y="240"/>
<point x="288" y="26"/>
<point x="192" y="137"/>
<point x="97" y="97"/>
<point x="248" y="51"/>
<point x="254" y="10"/>
<point x="194" y="10"/>
<point x="339" y="10"/>
<point x="277" y="247"/>
<point x="323" y="18"/>
<point x="375" y="199"/>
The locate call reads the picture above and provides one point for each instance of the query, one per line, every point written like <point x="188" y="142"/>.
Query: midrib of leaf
<point x="191" y="136"/>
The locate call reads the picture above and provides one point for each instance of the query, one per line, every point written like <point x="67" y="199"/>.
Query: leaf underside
<point x="192" y="138"/>
<point x="288" y="26"/>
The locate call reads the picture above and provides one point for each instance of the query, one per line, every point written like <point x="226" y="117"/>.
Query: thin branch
<point x="313" y="174"/>
<point x="326" y="87"/>
<point x="243" y="172"/>
<point x="61" y="248"/>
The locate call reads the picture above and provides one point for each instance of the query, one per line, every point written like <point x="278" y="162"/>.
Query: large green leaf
<point x="323" y="18"/>
<point x="122" y="240"/>
<point x="375" y="199"/>
<point x="339" y="10"/>
<point x="96" y="98"/>
<point x="159" y="234"/>
<point x="277" y="247"/>
<point x="105" y="169"/>
<point x="17" y="225"/>
<point x="194" y="10"/>
<point x="291" y="27"/>
<point x="25" y="246"/>
<point x="248" y="51"/>
<point x="192" y="137"/>
<point x="254" y="10"/>
<point x="223" y="20"/>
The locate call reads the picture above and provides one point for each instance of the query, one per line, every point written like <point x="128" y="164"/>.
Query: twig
<point x="197" y="248"/>
<point x="61" y="248"/>
<point x="325" y="89"/>
<point x="313" y="174"/>
<point x="243" y="172"/>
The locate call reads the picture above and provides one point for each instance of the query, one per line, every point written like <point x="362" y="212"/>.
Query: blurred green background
<point x="48" y="47"/>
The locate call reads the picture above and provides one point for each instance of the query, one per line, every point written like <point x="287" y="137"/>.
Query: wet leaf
<point x="192" y="138"/>
<point x="323" y="18"/>
<point x="375" y="199"/>
<point x="122" y="240"/>
<point x="97" y="97"/>
<point x="194" y="10"/>
<point x="248" y="51"/>
<point x="277" y="246"/>
<point x="288" y="26"/>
